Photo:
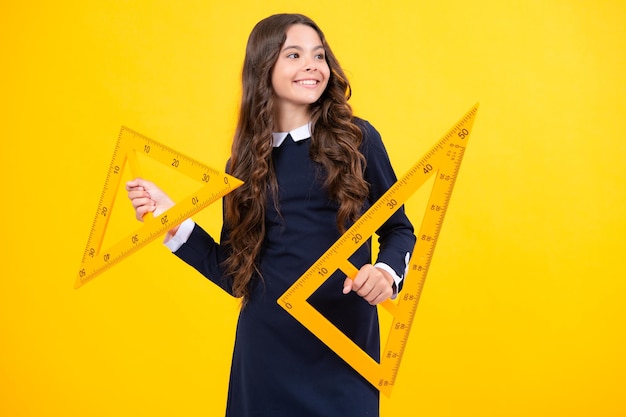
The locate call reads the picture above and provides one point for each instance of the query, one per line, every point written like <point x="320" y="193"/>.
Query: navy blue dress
<point x="279" y="368"/>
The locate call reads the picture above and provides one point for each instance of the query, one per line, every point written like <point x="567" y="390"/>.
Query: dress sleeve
<point x="396" y="236"/>
<point x="204" y="254"/>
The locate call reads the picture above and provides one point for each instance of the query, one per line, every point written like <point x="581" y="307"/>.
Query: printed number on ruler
<point x="215" y="184"/>
<point x="443" y="160"/>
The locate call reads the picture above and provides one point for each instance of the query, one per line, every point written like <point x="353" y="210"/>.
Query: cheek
<point x="326" y="71"/>
<point x="281" y="75"/>
<point x="326" y="79"/>
<point x="277" y="80"/>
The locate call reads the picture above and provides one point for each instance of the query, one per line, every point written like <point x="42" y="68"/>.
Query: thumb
<point x="347" y="286"/>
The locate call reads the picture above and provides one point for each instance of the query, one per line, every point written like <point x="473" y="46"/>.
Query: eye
<point x="319" y="56"/>
<point x="293" y="55"/>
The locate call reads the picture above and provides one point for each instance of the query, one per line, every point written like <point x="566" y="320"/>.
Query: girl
<point x="310" y="169"/>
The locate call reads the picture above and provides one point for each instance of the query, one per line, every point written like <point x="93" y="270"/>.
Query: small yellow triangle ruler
<point x="443" y="161"/>
<point x="130" y="144"/>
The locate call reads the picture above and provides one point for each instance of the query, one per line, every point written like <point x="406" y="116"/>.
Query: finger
<point x="361" y="277"/>
<point x="142" y="206"/>
<point x="141" y="211"/>
<point x="142" y="201"/>
<point x="366" y="290"/>
<point x="384" y="294"/>
<point x="137" y="193"/>
<point x="366" y="282"/>
<point x="347" y="285"/>
<point x="130" y="188"/>
<point x="134" y="183"/>
<point x="376" y="286"/>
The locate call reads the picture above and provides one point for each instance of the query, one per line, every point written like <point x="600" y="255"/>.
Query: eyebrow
<point x="299" y="48"/>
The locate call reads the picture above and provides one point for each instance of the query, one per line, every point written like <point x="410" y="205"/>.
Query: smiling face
<point x="300" y="74"/>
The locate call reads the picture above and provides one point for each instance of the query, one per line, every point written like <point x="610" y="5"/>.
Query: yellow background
<point x="523" y="311"/>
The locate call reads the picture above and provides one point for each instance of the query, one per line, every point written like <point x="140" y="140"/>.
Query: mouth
<point x="307" y="83"/>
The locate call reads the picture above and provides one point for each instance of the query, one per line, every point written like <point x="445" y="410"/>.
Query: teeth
<point x="307" y="82"/>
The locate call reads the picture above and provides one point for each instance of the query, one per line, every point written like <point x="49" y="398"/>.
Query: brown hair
<point x="334" y="145"/>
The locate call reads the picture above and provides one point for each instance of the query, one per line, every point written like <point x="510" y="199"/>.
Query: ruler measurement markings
<point x="128" y="146"/>
<point x="97" y="233"/>
<point x="439" y="161"/>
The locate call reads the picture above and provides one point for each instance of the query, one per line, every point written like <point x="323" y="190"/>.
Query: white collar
<point x="299" y="133"/>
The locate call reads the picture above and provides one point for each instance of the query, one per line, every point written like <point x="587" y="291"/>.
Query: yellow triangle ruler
<point x="214" y="185"/>
<point x="443" y="161"/>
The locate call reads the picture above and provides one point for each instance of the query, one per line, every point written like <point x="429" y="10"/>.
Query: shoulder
<point x="372" y="140"/>
<point x="366" y="127"/>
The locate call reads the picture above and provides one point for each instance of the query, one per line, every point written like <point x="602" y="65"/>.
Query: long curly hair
<point x="334" y="146"/>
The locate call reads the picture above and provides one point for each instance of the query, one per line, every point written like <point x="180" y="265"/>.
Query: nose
<point x="310" y="66"/>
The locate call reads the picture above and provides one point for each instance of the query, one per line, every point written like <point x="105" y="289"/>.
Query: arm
<point x="396" y="237"/>
<point x="188" y="241"/>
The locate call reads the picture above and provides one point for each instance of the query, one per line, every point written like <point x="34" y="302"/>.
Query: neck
<point x="289" y="118"/>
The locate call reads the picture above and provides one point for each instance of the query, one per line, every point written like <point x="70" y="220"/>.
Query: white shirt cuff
<point x="393" y="274"/>
<point x="181" y="236"/>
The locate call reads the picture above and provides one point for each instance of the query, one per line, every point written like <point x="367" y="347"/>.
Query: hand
<point x="147" y="198"/>
<point x="371" y="283"/>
